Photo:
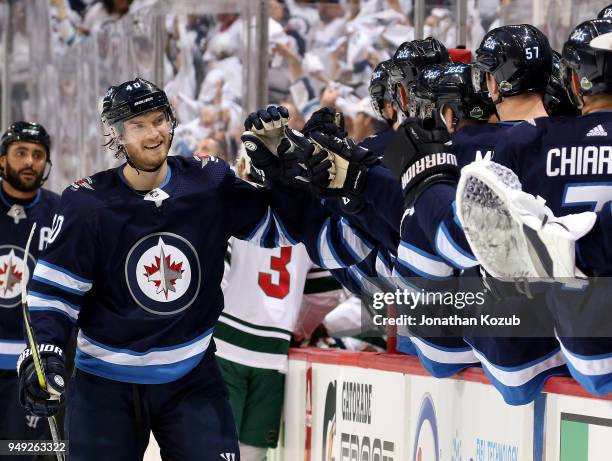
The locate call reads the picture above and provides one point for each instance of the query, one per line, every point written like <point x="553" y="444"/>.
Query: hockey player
<point x="136" y="261"/>
<point x="514" y="63"/>
<point x="566" y="161"/>
<point x="263" y="291"/>
<point x="25" y="163"/>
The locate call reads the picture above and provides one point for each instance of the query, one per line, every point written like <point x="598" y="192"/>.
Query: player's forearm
<point x="594" y="250"/>
<point x="384" y="193"/>
<point x="435" y="213"/>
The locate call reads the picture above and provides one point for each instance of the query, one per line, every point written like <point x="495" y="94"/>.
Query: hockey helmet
<point x="424" y="97"/>
<point x="557" y="100"/>
<point x="133" y="98"/>
<point x="518" y="56"/>
<point x="433" y="50"/>
<point x="454" y="88"/>
<point x="588" y="53"/>
<point x="606" y="13"/>
<point x="379" y="87"/>
<point x="25" y="131"/>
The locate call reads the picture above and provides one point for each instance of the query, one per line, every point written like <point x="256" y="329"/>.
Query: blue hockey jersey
<point x="16" y="220"/>
<point x="568" y="161"/>
<point x="140" y="274"/>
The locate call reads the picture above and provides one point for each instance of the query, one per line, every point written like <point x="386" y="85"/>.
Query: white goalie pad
<point x="514" y="235"/>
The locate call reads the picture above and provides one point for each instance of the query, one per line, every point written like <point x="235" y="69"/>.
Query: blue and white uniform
<point x="140" y="274"/>
<point x="568" y="161"/>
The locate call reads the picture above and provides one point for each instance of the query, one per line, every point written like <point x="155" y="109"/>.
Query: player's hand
<point x="350" y="165"/>
<point x="426" y="159"/>
<point x="264" y="131"/>
<point x="327" y="121"/>
<point x="31" y="396"/>
<point x="300" y="164"/>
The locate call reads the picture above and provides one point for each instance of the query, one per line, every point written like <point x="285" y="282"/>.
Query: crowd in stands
<point x="321" y="53"/>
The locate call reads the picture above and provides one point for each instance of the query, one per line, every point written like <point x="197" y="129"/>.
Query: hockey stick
<point x="40" y="371"/>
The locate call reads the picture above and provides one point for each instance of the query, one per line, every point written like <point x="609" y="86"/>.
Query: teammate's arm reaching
<point x="283" y="215"/>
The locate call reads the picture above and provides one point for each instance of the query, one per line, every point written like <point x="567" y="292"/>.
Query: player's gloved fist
<point x="300" y="164"/>
<point x="263" y="135"/>
<point x="327" y="121"/>
<point x="427" y="158"/>
<point x="33" y="398"/>
<point x="350" y="165"/>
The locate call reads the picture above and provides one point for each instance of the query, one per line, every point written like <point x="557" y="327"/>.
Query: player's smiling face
<point x="147" y="139"/>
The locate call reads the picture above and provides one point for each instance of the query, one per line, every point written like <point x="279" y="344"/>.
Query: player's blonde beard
<point x="139" y="168"/>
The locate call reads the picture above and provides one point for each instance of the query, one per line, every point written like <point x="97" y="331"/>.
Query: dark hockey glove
<point x="300" y="165"/>
<point x="31" y="396"/>
<point x="264" y="133"/>
<point x="427" y="158"/>
<point x="350" y="165"/>
<point x="327" y="121"/>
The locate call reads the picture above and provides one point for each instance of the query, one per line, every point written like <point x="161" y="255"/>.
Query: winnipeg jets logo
<point x="11" y="274"/>
<point x="205" y="159"/>
<point x="578" y="36"/>
<point x="162" y="271"/>
<point x="83" y="183"/>
<point x="489" y="44"/>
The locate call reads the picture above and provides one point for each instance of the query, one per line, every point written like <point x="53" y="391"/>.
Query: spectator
<point x="210" y="146"/>
<point x="104" y="11"/>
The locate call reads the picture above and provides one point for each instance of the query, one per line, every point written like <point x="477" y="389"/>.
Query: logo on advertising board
<point x="426" y="445"/>
<point x="329" y="422"/>
<point x="584" y="437"/>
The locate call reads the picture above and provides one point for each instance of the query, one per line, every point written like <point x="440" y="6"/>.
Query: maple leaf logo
<point x="164" y="273"/>
<point x="9" y="275"/>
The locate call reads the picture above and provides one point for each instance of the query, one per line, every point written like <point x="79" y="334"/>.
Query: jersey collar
<point x="6" y="200"/>
<point x="165" y="182"/>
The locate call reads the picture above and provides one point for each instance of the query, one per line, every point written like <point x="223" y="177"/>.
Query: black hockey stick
<point x="40" y="371"/>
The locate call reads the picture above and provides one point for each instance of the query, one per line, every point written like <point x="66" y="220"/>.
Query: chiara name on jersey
<point x="579" y="160"/>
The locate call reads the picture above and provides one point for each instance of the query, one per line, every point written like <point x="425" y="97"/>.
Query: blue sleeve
<point x="594" y="250"/>
<point x="369" y="222"/>
<point x="283" y="215"/>
<point x="371" y="274"/>
<point x="384" y="193"/>
<point x="436" y="217"/>
<point x="64" y="272"/>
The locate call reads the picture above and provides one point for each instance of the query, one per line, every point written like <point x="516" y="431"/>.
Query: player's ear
<point x="492" y="87"/>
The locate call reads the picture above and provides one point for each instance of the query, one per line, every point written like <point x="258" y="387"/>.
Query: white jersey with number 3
<point x="263" y="291"/>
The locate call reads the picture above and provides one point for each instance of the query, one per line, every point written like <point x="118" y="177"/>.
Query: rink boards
<point x="349" y="406"/>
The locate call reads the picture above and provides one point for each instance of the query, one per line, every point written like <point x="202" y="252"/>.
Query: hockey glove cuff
<point x="428" y="158"/>
<point x="351" y="164"/>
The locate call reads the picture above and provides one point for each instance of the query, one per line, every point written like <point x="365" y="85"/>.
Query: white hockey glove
<point x="514" y="235"/>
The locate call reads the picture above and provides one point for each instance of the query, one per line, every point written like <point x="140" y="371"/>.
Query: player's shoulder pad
<point x="206" y="170"/>
<point x="88" y="189"/>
